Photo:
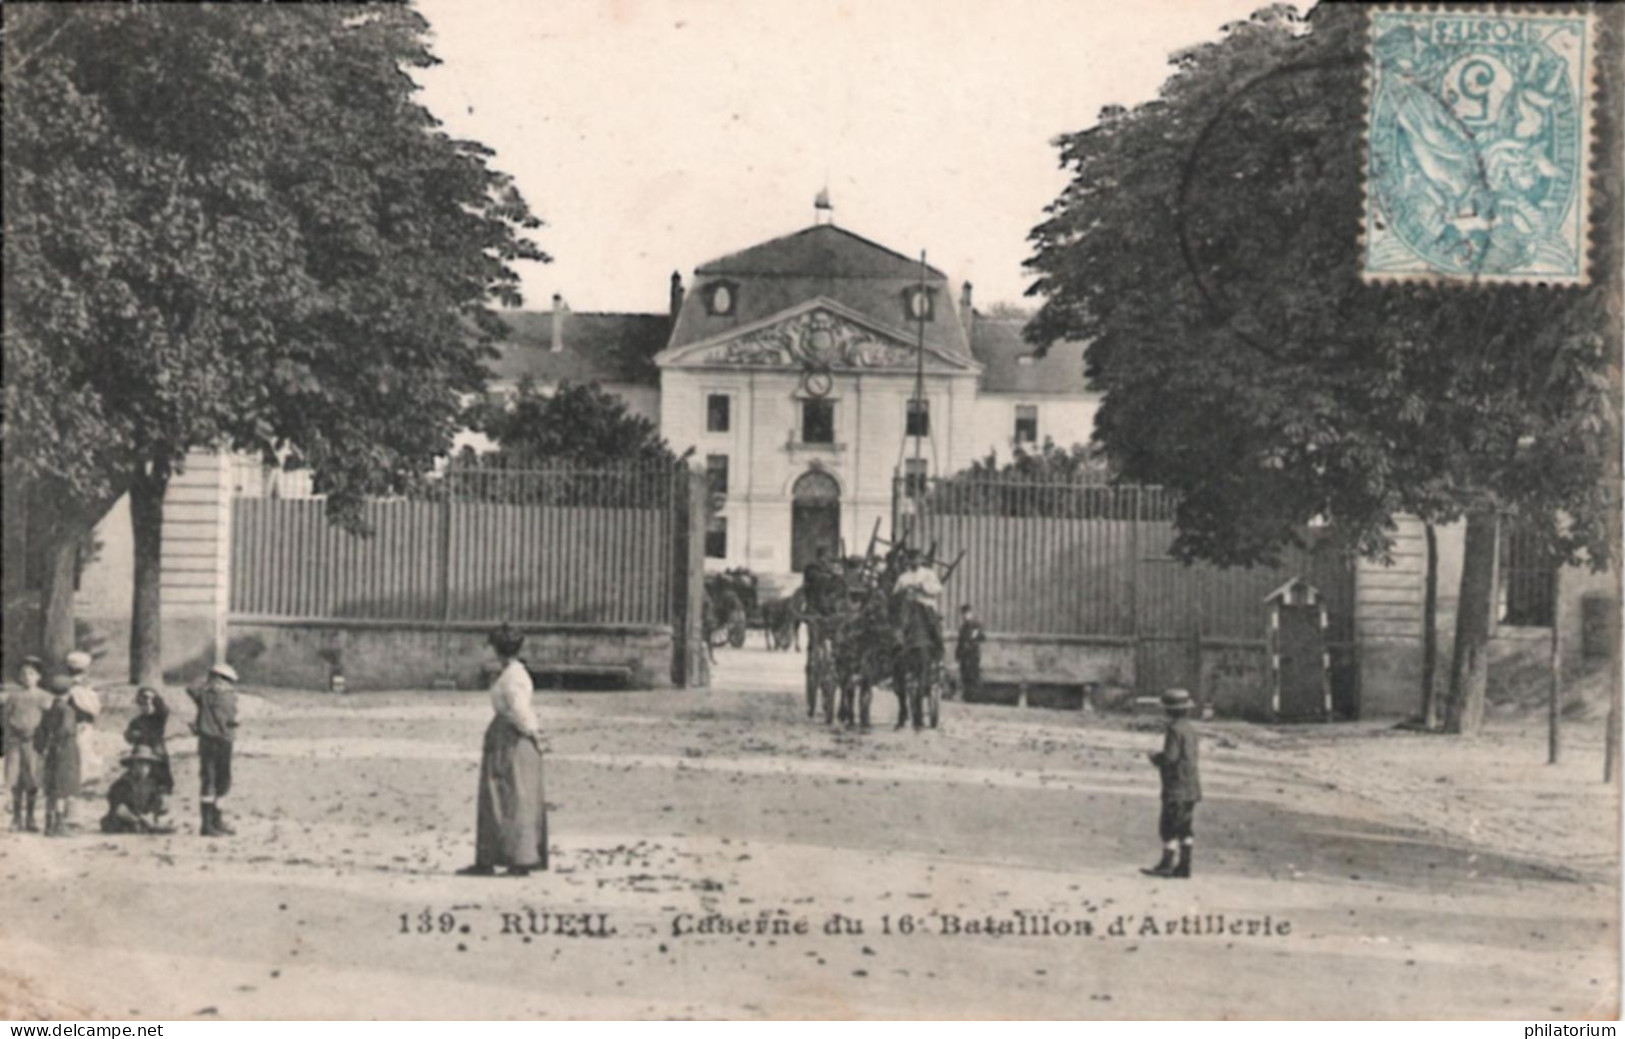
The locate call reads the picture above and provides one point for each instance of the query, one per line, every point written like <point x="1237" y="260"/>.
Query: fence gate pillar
<point x="691" y="504"/>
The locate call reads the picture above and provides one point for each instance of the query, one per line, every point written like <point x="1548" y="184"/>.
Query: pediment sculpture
<point x="816" y="339"/>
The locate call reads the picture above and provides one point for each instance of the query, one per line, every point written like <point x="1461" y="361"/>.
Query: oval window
<point x="722" y="300"/>
<point x="919" y="304"/>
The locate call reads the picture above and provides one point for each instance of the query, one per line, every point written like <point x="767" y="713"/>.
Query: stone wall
<point x="400" y="655"/>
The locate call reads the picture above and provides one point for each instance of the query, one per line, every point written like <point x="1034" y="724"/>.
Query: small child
<point x="1181" y="786"/>
<point x="968" y="650"/>
<point x="25" y="708"/>
<point x="216" y="728"/>
<point x="57" y="740"/>
<point x="135" y="804"/>
<point x="88" y="704"/>
<point x="147" y="729"/>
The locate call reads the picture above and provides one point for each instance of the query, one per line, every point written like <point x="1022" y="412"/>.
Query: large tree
<point x="233" y="227"/>
<point x="1208" y="247"/>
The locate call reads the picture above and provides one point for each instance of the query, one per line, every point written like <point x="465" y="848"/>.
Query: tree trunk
<point x="61" y="554"/>
<point x="1554" y="705"/>
<point x="1469" y="668"/>
<point x="1430" y="632"/>
<point x="146" y="608"/>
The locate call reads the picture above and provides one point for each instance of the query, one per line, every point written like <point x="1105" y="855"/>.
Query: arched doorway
<point x="815" y="518"/>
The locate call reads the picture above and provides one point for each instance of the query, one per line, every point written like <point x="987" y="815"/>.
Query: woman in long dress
<point x="512" y="828"/>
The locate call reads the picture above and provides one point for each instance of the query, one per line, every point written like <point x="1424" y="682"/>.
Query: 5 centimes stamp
<point x="1478" y="145"/>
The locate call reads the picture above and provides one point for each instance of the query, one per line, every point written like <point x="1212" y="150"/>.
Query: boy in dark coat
<point x="1181" y="786"/>
<point x="968" y="648"/>
<point x="57" y="740"/>
<point x="216" y="729"/>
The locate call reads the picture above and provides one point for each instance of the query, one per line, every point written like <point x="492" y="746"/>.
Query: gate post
<point x="691" y="502"/>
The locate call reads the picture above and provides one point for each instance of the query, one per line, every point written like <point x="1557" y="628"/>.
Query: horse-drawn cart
<point x="867" y="634"/>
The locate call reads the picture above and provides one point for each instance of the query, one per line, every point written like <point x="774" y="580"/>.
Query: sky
<point x="654" y="135"/>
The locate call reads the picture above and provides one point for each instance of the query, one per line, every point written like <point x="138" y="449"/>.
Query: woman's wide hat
<point x="1177" y="700"/>
<point x="78" y="660"/>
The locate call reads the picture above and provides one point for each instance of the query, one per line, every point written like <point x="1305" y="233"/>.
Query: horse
<point x="917" y="662"/>
<point x="782" y="619"/>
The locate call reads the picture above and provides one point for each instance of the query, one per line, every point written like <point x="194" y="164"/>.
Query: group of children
<point x="49" y="750"/>
<point x="45" y="734"/>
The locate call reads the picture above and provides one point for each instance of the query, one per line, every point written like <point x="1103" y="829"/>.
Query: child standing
<point x="25" y="708"/>
<point x="88" y="706"/>
<point x="216" y="728"/>
<point x="968" y="648"/>
<point x="1181" y="786"/>
<point x="57" y="739"/>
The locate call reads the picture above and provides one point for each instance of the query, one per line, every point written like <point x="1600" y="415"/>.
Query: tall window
<point x="717" y="413"/>
<point x="716" y="538"/>
<point x="918" y="422"/>
<point x="1026" y="423"/>
<point x="716" y="471"/>
<point x="818" y="422"/>
<point x="1526" y="581"/>
<point x="914" y="476"/>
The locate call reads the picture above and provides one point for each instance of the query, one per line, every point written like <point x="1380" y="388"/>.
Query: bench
<point x="1021" y="680"/>
<point x="553" y="676"/>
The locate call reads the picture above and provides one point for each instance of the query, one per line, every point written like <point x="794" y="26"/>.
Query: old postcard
<point x="811" y="510"/>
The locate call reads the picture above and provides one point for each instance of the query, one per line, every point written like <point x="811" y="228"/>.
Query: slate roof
<point x="617" y="348"/>
<point x="822" y="250"/>
<point x="998" y="345"/>
<point x="823" y="260"/>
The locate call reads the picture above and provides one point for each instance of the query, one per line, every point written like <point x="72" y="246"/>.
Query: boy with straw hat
<point x="1181" y="786"/>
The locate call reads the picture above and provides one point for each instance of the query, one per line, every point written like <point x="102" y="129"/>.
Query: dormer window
<point x="919" y="303"/>
<point x="720" y="297"/>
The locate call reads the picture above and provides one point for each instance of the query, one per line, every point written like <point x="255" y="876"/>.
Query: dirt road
<point x="992" y="868"/>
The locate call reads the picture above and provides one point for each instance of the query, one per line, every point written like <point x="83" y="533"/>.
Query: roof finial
<point x="823" y="208"/>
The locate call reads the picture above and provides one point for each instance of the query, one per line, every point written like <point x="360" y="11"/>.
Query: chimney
<point x="676" y="294"/>
<point x="823" y="208"/>
<point x="559" y="311"/>
<point x="967" y="310"/>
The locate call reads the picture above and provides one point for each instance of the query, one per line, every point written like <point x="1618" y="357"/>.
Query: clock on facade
<point x="817" y="381"/>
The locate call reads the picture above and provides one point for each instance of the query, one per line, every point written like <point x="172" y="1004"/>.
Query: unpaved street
<point x="1358" y="872"/>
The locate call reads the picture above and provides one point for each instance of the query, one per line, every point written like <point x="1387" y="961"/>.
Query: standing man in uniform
<point x="968" y="650"/>
<point x="1181" y="786"/>
<point x="216" y="729"/>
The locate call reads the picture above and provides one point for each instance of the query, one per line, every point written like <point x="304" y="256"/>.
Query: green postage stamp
<point x="1478" y="145"/>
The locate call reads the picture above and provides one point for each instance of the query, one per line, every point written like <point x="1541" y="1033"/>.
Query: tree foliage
<point x="236" y="226"/>
<point x="1049" y="481"/>
<point x="1208" y="248"/>
<point x="232" y="225"/>
<point x="577" y="424"/>
<point x="578" y="446"/>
